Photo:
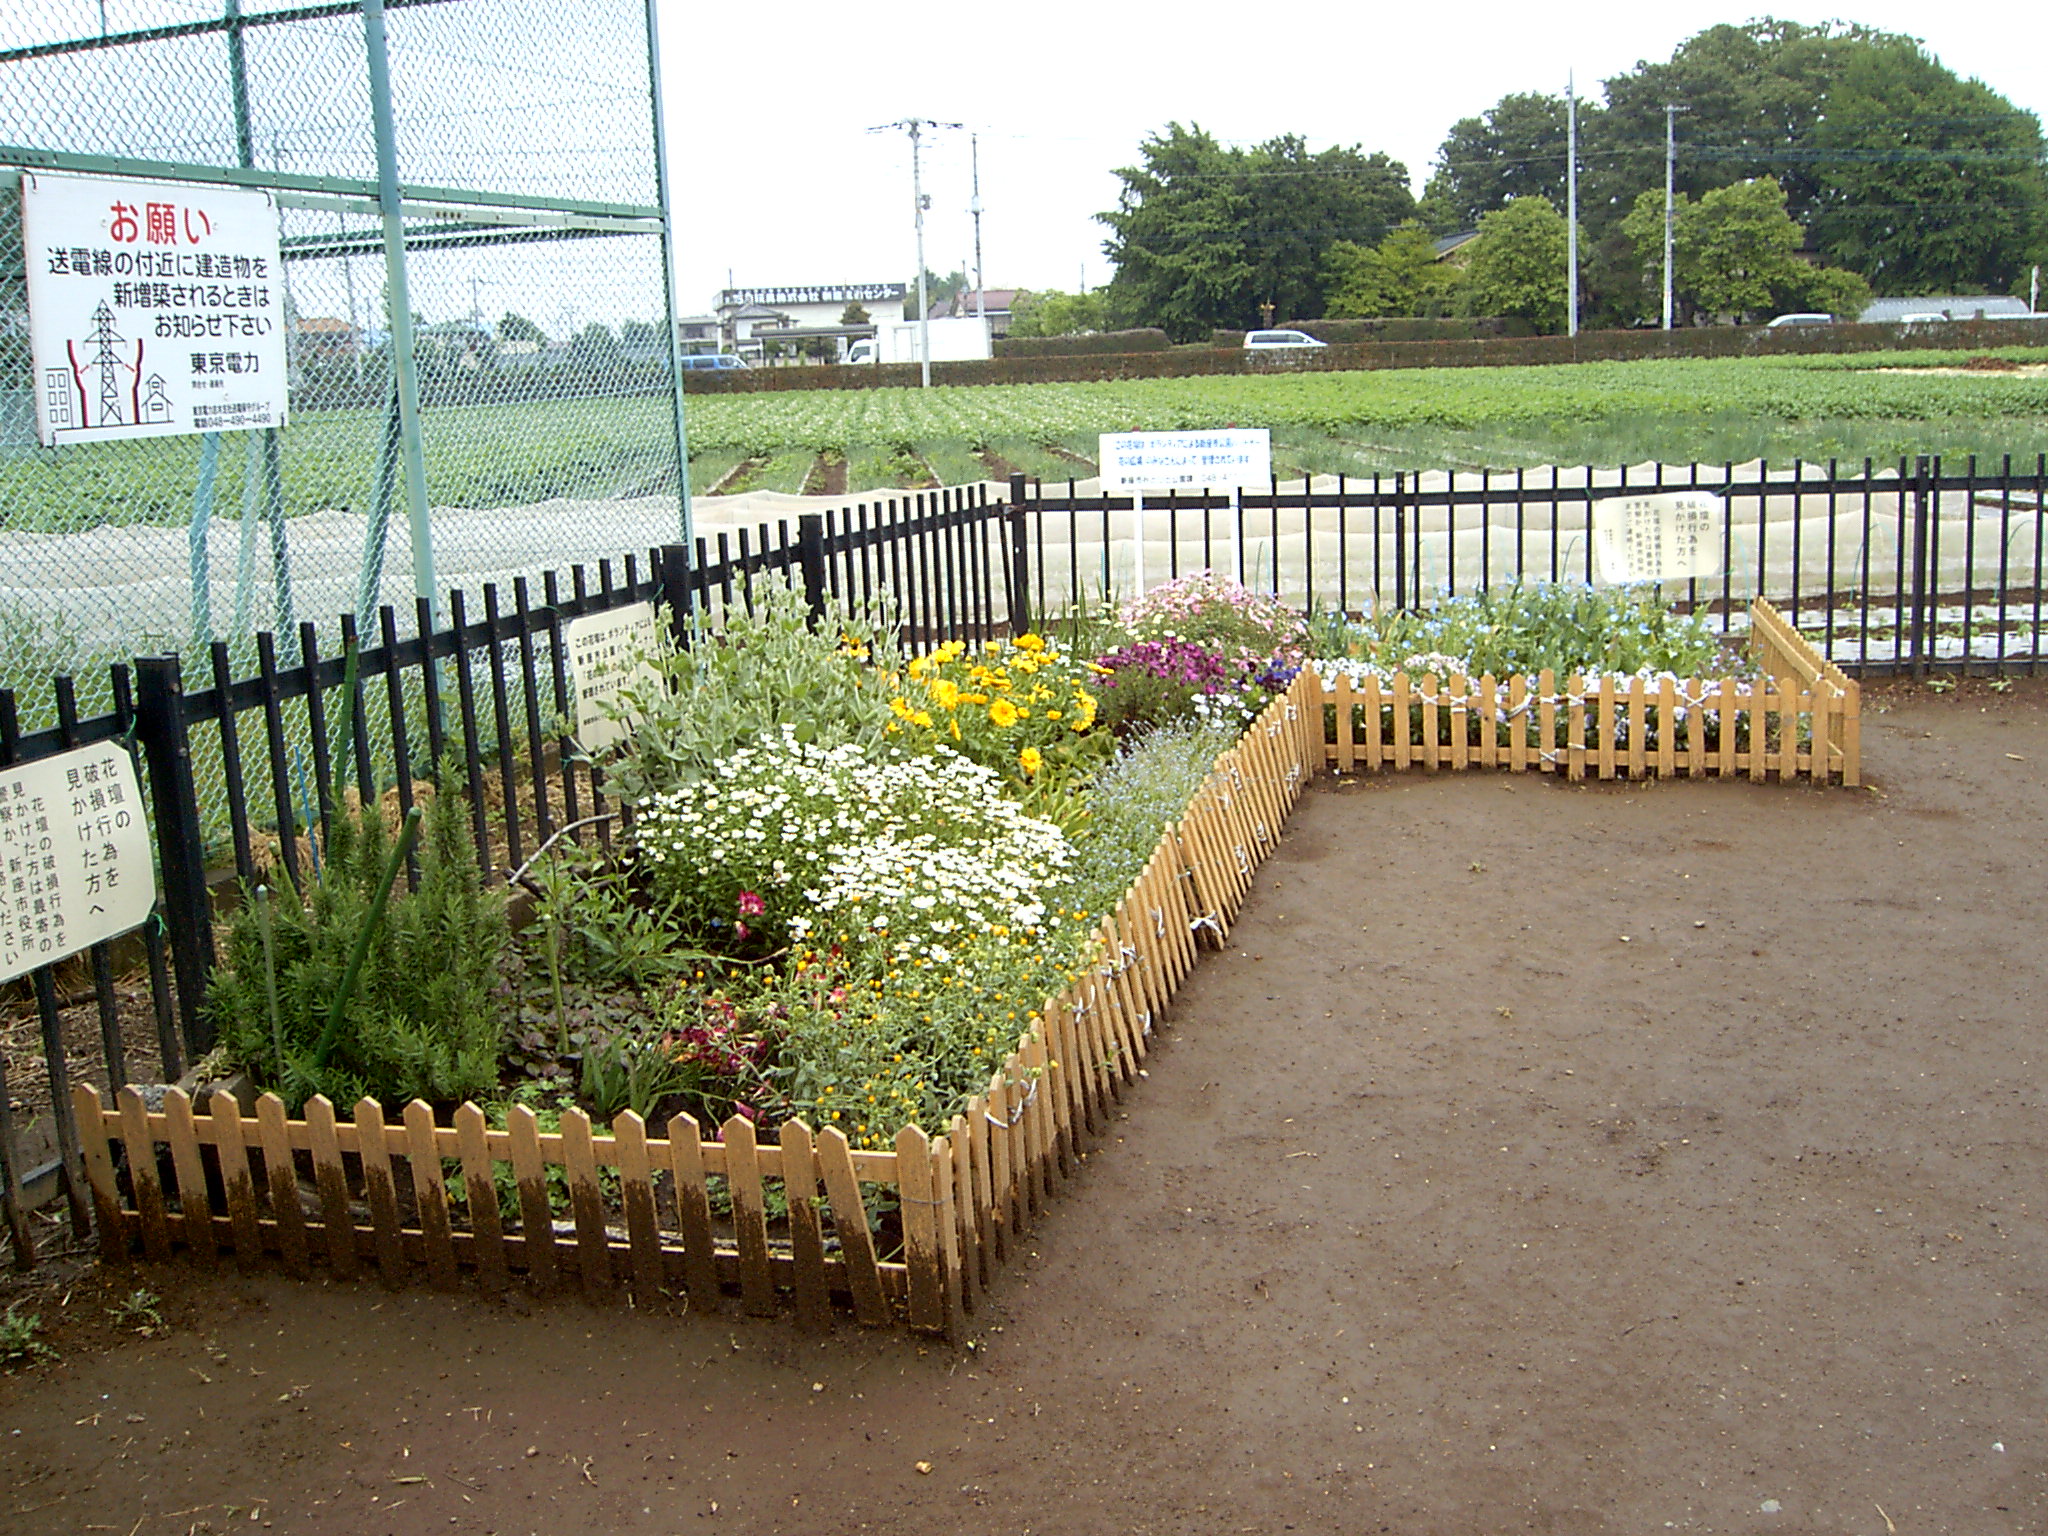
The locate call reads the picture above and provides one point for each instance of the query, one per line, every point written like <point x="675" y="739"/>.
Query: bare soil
<point x="1536" y="1158"/>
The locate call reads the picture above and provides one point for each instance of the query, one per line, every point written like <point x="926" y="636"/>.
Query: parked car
<point x="1266" y="341"/>
<point x="1801" y="320"/>
<point x="714" y="361"/>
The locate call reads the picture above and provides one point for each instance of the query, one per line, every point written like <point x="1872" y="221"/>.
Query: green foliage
<point x="140" y="1311"/>
<point x="1517" y="265"/>
<point x="1049" y="312"/>
<point x="1734" y="254"/>
<point x="1519" y="629"/>
<point x="1927" y="183"/>
<point x="1129" y="803"/>
<point x="1203" y="234"/>
<point x="516" y="327"/>
<point x="766" y="669"/>
<point x="422" y="1020"/>
<point x="1516" y="148"/>
<point x="19" y="1344"/>
<point x="1399" y="276"/>
<point x="1897" y="169"/>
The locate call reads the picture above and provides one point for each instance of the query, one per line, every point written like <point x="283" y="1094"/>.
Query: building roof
<point x="1980" y="306"/>
<point x="1450" y="243"/>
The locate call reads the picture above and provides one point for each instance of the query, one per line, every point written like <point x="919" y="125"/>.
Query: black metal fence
<point x="1902" y="567"/>
<point x="482" y="689"/>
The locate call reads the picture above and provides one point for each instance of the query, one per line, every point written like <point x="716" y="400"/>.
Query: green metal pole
<point x="668" y="278"/>
<point x="405" y="371"/>
<point x="197" y="535"/>
<point x="270" y="464"/>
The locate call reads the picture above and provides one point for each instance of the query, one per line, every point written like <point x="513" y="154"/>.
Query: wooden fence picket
<point x="181" y="1133"/>
<point x="481" y="1191"/>
<point x="806" y="1231"/>
<point x="749" y="1215"/>
<point x="430" y="1194"/>
<point x="107" y="1217"/>
<point x="636" y="1199"/>
<point x="238" y="1185"/>
<point x="921" y="1254"/>
<point x="379" y="1189"/>
<point x="330" y="1176"/>
<point x="536" y="1215"/>
<point x="693" y="1209"/>
<point x="850" y="1225"/>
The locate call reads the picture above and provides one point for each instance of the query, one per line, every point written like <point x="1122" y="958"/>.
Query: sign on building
<point x="155" y="308"/>
<point x="1671" y="536"/>
<point x="608" y="652"/>
<point x="1224" y="458"/>
<point x="75" y="863"/>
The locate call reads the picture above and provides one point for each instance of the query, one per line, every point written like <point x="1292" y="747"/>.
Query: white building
<point x="749" y="318"/>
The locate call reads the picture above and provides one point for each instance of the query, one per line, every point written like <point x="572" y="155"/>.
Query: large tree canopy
<point x="1204" y="233"/>
<point x="1891" y="166"/>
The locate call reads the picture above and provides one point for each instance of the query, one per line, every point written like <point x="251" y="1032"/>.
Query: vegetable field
<point x="1847" y="407"/>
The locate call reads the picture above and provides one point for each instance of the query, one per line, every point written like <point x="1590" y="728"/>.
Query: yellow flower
<point x="922" y="717"/>
<point x="1030" y="760"/>
<point x="944" y="692"/>
<point x="1002" y="714"/>
<point x="1030" y="643"/>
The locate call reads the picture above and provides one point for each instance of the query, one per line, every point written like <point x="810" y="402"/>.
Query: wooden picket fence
<point x="676" y="1212"/>
<point x="1801" y="718"/>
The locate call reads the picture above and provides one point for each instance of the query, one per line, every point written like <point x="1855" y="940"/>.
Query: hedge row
<point x="1098" y="344"/>
<point x="1352" y="332"/>
<point x="1489" y="352"/>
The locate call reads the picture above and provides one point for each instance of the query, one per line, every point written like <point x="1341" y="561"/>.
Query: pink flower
<point x="751" y="905"/>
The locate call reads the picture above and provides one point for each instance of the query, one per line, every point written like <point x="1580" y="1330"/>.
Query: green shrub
<point x="421" y="1020"/>
<point x="767" y="669"/>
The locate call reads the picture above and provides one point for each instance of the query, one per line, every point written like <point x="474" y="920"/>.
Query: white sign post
<point x="1670" y="536"/>
<point x="155" y="308"/>
<point x="607" y="652"/>
<point x="1223" y="458"/>
<point x="75" y="864"/>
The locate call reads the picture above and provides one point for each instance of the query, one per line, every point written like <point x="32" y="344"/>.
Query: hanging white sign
<point x="1671" y="536"/>
<point x="1222" y="458"/>
<point x="75" y="863"/>
<point x="155" y="308"/>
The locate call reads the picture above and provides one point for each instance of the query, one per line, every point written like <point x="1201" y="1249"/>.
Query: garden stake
<point x="407" y="835"/>
<point x="263" y="926"/>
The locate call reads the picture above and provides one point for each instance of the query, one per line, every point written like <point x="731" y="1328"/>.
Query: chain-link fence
<point x="517" y="412"/>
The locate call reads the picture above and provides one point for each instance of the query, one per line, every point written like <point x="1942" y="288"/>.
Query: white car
<point x="1269" y="341"/>
<point x="1784" y="320"/>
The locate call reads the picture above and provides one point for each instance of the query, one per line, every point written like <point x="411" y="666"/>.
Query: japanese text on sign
<point x="607" y="653"/>
<point x="1672" y="536"/>
<point x="1221" y="459"/>
<point x="74" y="856"/>
<point x="155" y="308"/>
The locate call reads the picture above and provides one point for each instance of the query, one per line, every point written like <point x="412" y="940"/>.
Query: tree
<point x="1735" y="254"/>
<point x="1203" y="235"/>
<point x="854" y="314"/>
<point x="1402" y="275"/>
<point x="515" y="327"/>
<point x="1515" y="149"/>
<point x="939" y="292"/>
<point x="1927" y="183"/>
<point x="1890" y="165"/>
<point x="1052" y="313"/>
<point x="1518" y="264"/>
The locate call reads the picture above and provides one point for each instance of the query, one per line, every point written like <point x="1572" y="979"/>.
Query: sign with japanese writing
<point x="75" y="862"/>
<point x="1671" y="536"/>
<point x="608" y="652"/>
<point x="1221" y="459"/>
<point x="155" y="308"/>
<point x="828" y="293"/>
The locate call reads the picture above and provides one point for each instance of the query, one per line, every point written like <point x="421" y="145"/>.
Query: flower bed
<point x="771" y="1037"/>
<point x="1796" y="716"/>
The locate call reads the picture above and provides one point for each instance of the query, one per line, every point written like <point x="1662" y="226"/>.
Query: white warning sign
<point x="75" y="863"/>
<point x="607" y="652"/>
<point x="1667" y="536"/>
<point x="155" y="308"/>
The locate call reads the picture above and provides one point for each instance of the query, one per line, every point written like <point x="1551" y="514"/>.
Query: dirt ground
<point x="1536" y="1159"/>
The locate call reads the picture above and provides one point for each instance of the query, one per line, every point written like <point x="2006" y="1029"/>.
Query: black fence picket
<point x="482" y="691"/>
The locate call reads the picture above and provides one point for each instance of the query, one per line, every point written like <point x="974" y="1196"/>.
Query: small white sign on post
<point x="1215" y="459"/>
<point x="75" y="865"/>
<point x="1668" y="536"/>
<point x="1226" y="458"/>
<point x="155" y="308"/>
<point x="608" y="652"/>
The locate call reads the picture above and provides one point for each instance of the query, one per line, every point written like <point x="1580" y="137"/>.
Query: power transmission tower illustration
<point x="106" y="357"/>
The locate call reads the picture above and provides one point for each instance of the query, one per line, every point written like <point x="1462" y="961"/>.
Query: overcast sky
<point x="779" y="181"/>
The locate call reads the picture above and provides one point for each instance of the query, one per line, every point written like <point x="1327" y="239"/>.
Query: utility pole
<point x="974" y="207"/>
<point x="1571" y="206"/>
<point x="915" y="127"/>
<point x="1671" y="111"/>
